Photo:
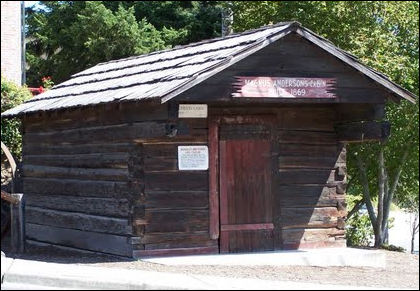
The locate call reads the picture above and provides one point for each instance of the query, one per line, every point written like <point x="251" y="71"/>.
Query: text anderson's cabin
<point x="234" y="144"/>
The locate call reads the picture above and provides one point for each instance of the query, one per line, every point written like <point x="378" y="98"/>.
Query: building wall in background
<point x="11" y="40"/>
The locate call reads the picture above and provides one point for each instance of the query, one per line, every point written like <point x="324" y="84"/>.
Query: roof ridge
<point x="237" y="34"/>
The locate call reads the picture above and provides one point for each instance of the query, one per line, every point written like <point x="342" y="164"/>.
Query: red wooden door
<point x="245" y="196"/>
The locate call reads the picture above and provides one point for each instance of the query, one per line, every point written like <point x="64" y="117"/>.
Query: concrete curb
<point x="342" y="257"/>
<point x="63" y="276"/>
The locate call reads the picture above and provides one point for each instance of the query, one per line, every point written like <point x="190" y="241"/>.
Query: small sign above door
<point x="192" y="111"/>
<point x="282" y="87"/>
<point x="193" y="157"/>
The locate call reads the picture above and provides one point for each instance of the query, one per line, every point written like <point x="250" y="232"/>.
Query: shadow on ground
<point x="53" y="254"/>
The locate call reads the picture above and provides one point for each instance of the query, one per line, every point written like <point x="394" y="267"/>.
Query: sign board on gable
<point x="193" y="157"/>
<point x="282" y="87"/>
<point x="192" y="111"/>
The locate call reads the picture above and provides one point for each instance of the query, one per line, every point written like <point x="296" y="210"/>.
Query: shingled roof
<point x="165" y="74"/>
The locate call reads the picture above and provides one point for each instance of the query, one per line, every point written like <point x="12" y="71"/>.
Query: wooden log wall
<point x="309" y="199"/>
<point x="171" y="209"/>
<point x="311" y="179"/>
<point x="76" y="174"/>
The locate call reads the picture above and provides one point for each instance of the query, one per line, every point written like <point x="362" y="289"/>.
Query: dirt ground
<point x="401" y="271"/>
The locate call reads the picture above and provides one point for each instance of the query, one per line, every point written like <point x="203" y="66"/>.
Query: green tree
<point x="385" y="36"/>
<point x="66" y="37"/>
<point x="11" y="96"/>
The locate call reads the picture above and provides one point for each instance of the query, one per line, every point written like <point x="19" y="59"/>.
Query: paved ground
<point x="401" y="271"/>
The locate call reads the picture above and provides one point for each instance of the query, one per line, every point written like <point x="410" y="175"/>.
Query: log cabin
<point x="235" y="144"/>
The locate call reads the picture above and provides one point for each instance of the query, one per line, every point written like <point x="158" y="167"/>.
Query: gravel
<point x="401" y="272"/>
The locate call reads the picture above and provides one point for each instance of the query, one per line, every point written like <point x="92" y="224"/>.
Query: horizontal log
<point x="307" y="176"/>
<point x="182" y="244"/>
<point x="176" y="252"/>
<point x="323" y="217"/>
<point x="179" y="216"/>
<point x="177" y="200"/>
<point x="79" y="188"/>
<point x="309" y="162"/>
<point x="318" y="150"/>
<point x="338" y="243"/>
<point x="94" y="206"/>
<point x="191" y="225"/>
<point x="359" y="112"/>
<point x="79" y="221"/>
<point x="164" y="150"/>
<point x="160" y="164"/>
<point x="306" y="137"/>
<point x="177" y="181"/>
<point x="255" y="226"/>
<point x="33" y="171"/>
<point x="87" y="240"/>
<point x="312" y="235"/>
<point x="309" y="196"/>
<point x="100" y="115"/>
<point x="309" y="118"/>
<point x="172" y="237"/>
<point x="363" y="131"/>
<point x="97" y="160"/>
<point x="106" y="133"/>
<point x="75" y="149"/>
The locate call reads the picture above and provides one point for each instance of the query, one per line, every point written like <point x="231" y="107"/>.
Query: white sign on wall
<point x="193" y="157"/>
<point x="192" y="111"/>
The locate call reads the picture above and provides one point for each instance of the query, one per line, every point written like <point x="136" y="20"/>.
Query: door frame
<point x="214" y="123"/>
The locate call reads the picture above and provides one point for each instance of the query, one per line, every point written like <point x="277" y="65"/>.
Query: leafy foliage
<point x="69" y="36"/>
<point x="11" y="96"/>
<point x="359" y="231"/>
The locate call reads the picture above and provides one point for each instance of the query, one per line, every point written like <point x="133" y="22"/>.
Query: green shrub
<point x="11" y="96"/>
<point x="359" y="231"/>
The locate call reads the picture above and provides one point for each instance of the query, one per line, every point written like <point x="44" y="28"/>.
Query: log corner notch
<point x="363" y="131"/>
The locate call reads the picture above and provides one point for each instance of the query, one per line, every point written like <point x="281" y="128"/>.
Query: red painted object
<point x="36" y="91"/>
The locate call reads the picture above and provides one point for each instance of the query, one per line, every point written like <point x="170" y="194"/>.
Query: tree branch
<point x="355" y="208"/>
<point x="366" y="192"/>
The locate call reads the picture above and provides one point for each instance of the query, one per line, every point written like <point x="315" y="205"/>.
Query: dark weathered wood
<point x="177" y="181"/>
<point x="18" y="219"/>
<point x="89" y="205"/>
<point x="311" y="235"/>
<point x="323" y="217"/>
<point x="246" y="197"/>
<point x="105" y="243"/>
<point x="113" y="160"/>
<point x="230" y="227"/>
<point x="83" y="188"/>
<point x="363" y="131"/>
<point x="33" y="171"/>
<point x="184" y="225"/>
<point x="307" y="162"/>
<point x="309" y="196"/>
<point x="171" y="216"/>
<point x="359" y="112"/>
<point x="78" y="221"/>
<point x="108" y="133"/>
<point x="307" y="176"/>
<point x="65" y="149"/>
<point x="177" y="199"/>
<point x="318" y="150"/>
<point x="151" y="238"/>
<point x="101" y="115"/>
<point x="306" y="137"/>
<point x="182" y="244"/>
<point x="176" y="252"/>
<point x="306" y="118"/>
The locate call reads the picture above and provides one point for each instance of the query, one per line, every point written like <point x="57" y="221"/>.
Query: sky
<point x="30" y="3"/>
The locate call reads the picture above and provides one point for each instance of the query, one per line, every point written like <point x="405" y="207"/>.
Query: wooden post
<point x="17" y="212"/>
